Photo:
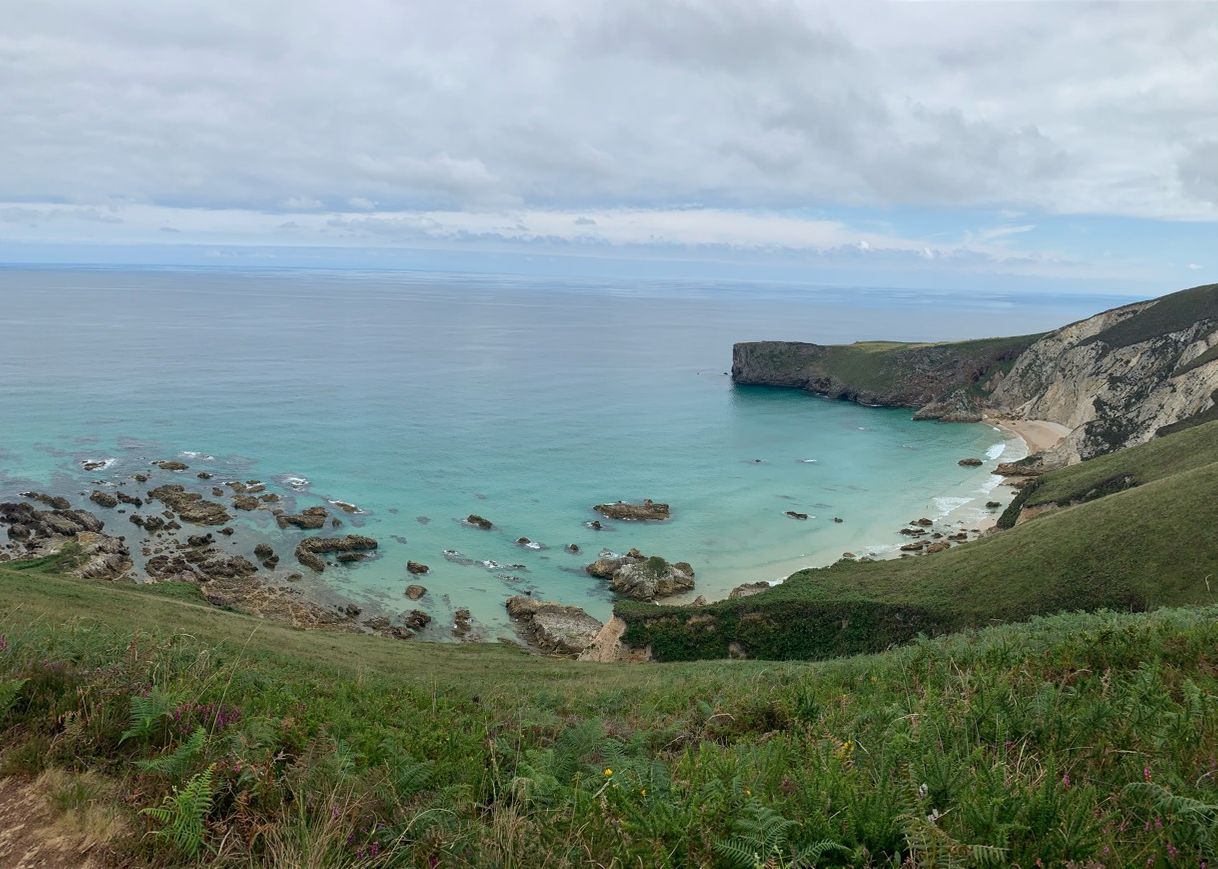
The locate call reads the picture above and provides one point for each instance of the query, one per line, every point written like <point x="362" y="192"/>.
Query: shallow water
<point x="423" y="398"/>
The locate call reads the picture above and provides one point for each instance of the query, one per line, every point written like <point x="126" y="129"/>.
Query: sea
<point x="422" y="398"/>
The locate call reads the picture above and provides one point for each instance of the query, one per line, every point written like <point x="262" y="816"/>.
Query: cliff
<point x="944" y="381"/>
<point x="1119" y="378"/>
<point x="1115" y="380"/>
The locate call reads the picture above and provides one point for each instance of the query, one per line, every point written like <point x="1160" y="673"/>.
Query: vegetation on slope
<point x="880" y="372"/>
<point x="225" y="740"/>
<point x="1172" y="313"/>
<point x="1139" y="548"/>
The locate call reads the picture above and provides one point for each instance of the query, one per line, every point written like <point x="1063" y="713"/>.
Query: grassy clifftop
<point x="260" y="745"/>
<point x="880" y="372"/>
<point x="1136" y="548"/>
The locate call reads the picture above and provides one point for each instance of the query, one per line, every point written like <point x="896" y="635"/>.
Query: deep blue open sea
<point x="422" y="398"/>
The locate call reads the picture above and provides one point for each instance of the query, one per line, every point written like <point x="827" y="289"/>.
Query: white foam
<point x="946" y="504"/>
<point x="807" y="461"/>
<point x="105" y="465"/>
<point x="297" y="483"/>
<point x="532" y="544"/>
<point x="995" y="451"/>
<point x="194" y="454"/>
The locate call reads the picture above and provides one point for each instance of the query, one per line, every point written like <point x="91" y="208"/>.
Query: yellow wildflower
<point x="608" y="772"/>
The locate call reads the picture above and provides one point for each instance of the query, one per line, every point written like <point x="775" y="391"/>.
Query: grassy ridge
<point x="1078" y="737"/>
<point x="1141" y="548"/>
<point x="1172" y="313"/>
<point x="886" y="371"/>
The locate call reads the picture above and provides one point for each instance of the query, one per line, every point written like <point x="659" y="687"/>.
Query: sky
<point x="989" y="144"/>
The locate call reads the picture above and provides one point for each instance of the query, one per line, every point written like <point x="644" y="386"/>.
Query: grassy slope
<point x="1025" y="742"/>
<point x="881" y="367"/>
<point x="1171" y="313"/>
<point x="1144" y="547"/>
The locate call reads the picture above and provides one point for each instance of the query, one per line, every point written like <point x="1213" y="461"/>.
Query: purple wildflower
<point x="374" y="849"/>
<point x="1145" y="773"/>
<point x="1172" y="851"/>
<point x="1066" y="781"/>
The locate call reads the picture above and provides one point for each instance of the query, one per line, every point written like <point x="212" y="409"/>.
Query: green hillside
<point x="1078" y="737"/>
<point x="1137" y="548"/>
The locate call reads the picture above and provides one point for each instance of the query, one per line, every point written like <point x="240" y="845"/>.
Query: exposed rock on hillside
<point x="1118" y="378"/>
<point x="552" y="627"/>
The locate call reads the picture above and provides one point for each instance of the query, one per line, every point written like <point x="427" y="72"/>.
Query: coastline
<point x="1039" y="435"/>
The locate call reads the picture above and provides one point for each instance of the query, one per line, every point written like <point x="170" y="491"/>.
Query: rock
<point x="461" y="622"/>
<point x="92" y="465"/>
<point x="573" y="548"/>
<point x="351" y="557"/>
<point x="552" y="627"/>
<point x="55" y="502"/>
<point x="748" y="588"/>
<point x="648" y="510"/>
<point x="312" y="518"/>
<point x="129" y="499"/>
<point x="650" y="579"/>
<point x="417" y="568"/>
<point x="345" y="507"/>
<point x="171" y="466"/>
<point x="992" y="505"/>
<point x="1021" y="468"/>
<point x="940" y="546"/>
<point x="307" y="550"/>
<point x="264" y="550"/>
<point x="140" y="478"/>
<point x="245" y="502"/>
<point x="700" y="600"/>
<point x="849" y="555"/>
<point x="377" y="623"/>
<point x="414" y="592"/>
<point x="914" y="547"/>
<point x="416" y="620"/>
<point x="269" y="498"/>
<point x="604" y="568"/>
<point x="969" y="463"/>
<point x="477" y="521"/>
<point x="271" y="563"/>
<point x="922" y="523"/>
<point x="190" y="506"/>
<point x="200" y="540"/>
<point x="838" y="519"/>
<point x="227" y="532"/>
<point x="104" y="499"/>
<point x="912" y="532"/>
<point x="795" y="515"/>
<point x="595" y="525"/>
<point x="217" y="492"/>
<point x="351" y="610"/>
<point x="204" y="475"/>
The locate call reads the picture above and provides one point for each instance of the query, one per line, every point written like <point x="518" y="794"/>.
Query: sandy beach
<point x="1038" y="434"/>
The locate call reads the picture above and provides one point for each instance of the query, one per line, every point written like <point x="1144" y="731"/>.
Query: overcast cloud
<point x="696" y="123"/>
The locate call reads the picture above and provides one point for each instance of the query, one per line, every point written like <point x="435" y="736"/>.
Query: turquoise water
<point x="423" y="398"/>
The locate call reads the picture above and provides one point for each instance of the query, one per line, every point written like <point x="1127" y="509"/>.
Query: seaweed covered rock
<point x="648" y="510"/>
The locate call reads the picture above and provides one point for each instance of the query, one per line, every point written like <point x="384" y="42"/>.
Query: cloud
<point x="775" y="104"/>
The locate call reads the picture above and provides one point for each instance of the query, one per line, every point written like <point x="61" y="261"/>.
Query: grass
<point x="1172" y="313"/>
<point x="1147" y="546"/>
<point x="1071" y="738"/>
<point x="879" y="368"/>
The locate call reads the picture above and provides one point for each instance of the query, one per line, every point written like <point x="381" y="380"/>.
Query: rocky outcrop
<point x="103" y="499"/>
<point x="55" y="502"/>
<point x="34" y="533"/>
<point x="648" y="510"/>
<point x="652" y="578"/>
<point x="417" y="568"/>
<point x="1120" y="377"/>
<point x="476" y="521"/>
<point x="414" y="592"/>
<point x="749" y="588"/>
<point x="309" y="519"/>
<point x="308" y="550"/>
<point x="552" y="627"/>
<point x="190" y="506"/>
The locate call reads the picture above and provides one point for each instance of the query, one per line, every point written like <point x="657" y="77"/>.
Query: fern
<point x="1200" y="818"/>
<point x="147" y="712"/>
<point x="177" y="762"/>
<point x="9" y="689"/>
<point x="761" y="835"/>
<point x="182" y="814"/>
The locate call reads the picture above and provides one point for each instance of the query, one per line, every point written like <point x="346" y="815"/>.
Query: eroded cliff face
<point x="1119" y="377"/>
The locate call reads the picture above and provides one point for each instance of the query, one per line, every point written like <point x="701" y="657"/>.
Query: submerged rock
<point x="552" y="627"/>
<point x="417" y="568"/>
<point x="969" y="463"/>
<point x="648" y="510"/>
<point x="414" y="592"/>
<point x="245" y="502"/>
<point x="477" y="521"/>
<point x="795" y="515"/>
